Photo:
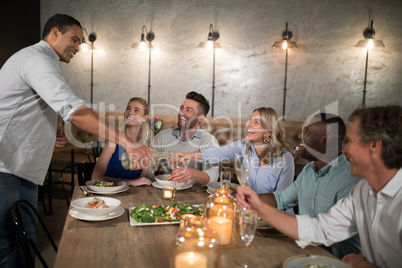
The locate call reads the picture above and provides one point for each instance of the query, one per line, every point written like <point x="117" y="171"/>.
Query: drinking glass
<point x="247" y="227"/>
<point x="242" y="164"/>
<point x="225" y="179"/>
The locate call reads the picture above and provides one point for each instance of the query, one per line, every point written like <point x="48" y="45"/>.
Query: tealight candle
<point x="168" y="193"/>
<point x="190" y="259"/>
<point x="223" y="227"/>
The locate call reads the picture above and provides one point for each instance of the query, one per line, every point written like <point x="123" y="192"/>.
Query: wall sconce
<point x="142" y="45"/>
<point x="211" y="44"/>
<point x="285" y="44"/>
<point x="92" y="38"/>
<point x="368" y="43"/>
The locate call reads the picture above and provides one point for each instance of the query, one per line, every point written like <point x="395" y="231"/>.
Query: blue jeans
<point x="13" y="188"/>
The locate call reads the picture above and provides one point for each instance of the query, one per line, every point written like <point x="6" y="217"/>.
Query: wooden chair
<point x="25" y="239"/>
<point x="83" y="172"/>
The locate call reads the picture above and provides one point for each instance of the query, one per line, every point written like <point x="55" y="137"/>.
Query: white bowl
<point x="162" y="181"/>
<point x="79" y="205"/>
<point x="91" y="186"/>
<point x="215" y="184"/>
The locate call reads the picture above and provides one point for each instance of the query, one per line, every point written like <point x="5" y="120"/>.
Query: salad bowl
<point x="79" y="205"/>
<point x="105" y="185"/>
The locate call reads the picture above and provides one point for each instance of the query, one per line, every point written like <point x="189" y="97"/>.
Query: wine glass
<point x="247" y="227"/>
<point x="242" y="164"/>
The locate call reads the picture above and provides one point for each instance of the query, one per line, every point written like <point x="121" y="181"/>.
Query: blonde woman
<point x="271" y="164"/>
<point x="136" y="125"/>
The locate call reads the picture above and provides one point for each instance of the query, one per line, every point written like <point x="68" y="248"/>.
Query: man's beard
<point x="189" y="124"/>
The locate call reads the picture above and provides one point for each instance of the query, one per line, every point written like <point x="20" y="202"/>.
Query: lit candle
<point x="191" y="260"/>
<point x="223" y="226"/>
<point x="168" y="192"/>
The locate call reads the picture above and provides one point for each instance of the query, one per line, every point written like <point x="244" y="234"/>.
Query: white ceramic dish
<point x="304" y="260"/>
<point x="91" y="186"/>
<point x="114" y="214"/>
<point x="136" y="223"/>
<point x="125" y="188"/>
<point x="79" y="205"/>
<point x="162" y="181"/>
<point x="160" y="186"/>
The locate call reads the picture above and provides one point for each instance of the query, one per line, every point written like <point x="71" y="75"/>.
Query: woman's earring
<point x="266" y="138"/>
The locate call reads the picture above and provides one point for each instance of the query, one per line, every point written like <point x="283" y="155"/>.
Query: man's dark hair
<point x="328" y="119"/>
<point x="204" y="103"/>
<point x="382" y="123"/>
<point x="62" y="21"/>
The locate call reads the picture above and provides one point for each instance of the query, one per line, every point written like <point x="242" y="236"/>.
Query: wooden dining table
<point x="115" y="243"/>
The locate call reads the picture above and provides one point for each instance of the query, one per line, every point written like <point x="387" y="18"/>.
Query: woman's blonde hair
<point x="271" y="122"/>
<point x="145" y="127"/>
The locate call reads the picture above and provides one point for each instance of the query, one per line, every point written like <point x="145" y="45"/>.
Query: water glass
<point x="225" y="179"/>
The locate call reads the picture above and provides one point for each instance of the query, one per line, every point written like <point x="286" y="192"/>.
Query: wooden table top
<point x="118" y="244"/>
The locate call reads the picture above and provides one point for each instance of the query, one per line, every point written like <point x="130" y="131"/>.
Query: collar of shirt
<point x="197" y="134"/>
<point x="337" y="161"/>
<point x="52" y="52"/>
<point x="392" y="187"/>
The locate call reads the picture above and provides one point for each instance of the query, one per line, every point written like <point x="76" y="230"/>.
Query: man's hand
<point x="181" y="173"/>
<point x="357" y="261"/>
<point x="247" y="198"/>
<point x="140" y="155"/>
<point x="61" y="139"/>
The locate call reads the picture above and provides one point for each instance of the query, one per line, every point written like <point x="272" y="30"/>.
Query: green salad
<point x="105" y="184"/>
<point x="172" y="213"/>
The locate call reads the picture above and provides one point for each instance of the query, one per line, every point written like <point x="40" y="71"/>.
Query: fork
<point x="84" y="191"/>
<point x="148" y="191"/>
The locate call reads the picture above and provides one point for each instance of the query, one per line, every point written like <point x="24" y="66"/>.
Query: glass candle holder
<point x="168" y="193"/>
<point x="220" y="209"/>
<point x="196" y="245"/>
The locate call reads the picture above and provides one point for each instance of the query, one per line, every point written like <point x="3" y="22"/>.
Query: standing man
<point x="374" y="207"/>
<point x="32" y="93"/>
<point x="188" y="137"/>
<point x="323" y="181"/>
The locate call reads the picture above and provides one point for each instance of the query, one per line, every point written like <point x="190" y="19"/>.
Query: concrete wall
<point x="326" y="72"/>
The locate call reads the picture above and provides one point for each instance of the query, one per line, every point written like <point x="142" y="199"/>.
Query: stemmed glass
<point x="242" y="165"/>
<point x="247" y="228"/>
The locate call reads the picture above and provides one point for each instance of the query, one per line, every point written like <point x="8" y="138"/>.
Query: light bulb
<point x="209" y="45"/>
<point x="143" y="46"/>
<point x="285" y="44"/>
<point x="370" y="44"/>
<point x="84" y="47"/>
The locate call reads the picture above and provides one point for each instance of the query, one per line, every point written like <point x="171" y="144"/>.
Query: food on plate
<point x="96" y="203"/>
<point x="169" y="178"/>
<point x="105" y="184"/>
<point x="172" y="213"/>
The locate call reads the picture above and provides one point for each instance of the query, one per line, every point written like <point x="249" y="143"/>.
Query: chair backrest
<point x="84" y="174"/>
<point x="96" y="148"/>
<point x="25" y="239"/>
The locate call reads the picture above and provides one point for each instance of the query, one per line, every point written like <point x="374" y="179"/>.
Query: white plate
<point x="78" y="215"/>
<point x="125" y="188"/>
<point x="304" y="260"/>
<point x="136" y="223"/>
<point x="185" y="186"/>
<point x="119" y="185"/>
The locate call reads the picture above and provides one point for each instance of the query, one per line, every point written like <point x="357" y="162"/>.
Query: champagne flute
<point x="242" y="165"/>
<point x="247" y="227"/>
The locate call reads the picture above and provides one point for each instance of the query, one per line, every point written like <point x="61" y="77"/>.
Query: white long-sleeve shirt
<point x="32" y="93"/>
<point x="377" y="218"/>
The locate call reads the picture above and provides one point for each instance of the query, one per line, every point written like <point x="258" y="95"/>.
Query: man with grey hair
<point x="372" y="210"/>
<point x="323" y="181"/>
